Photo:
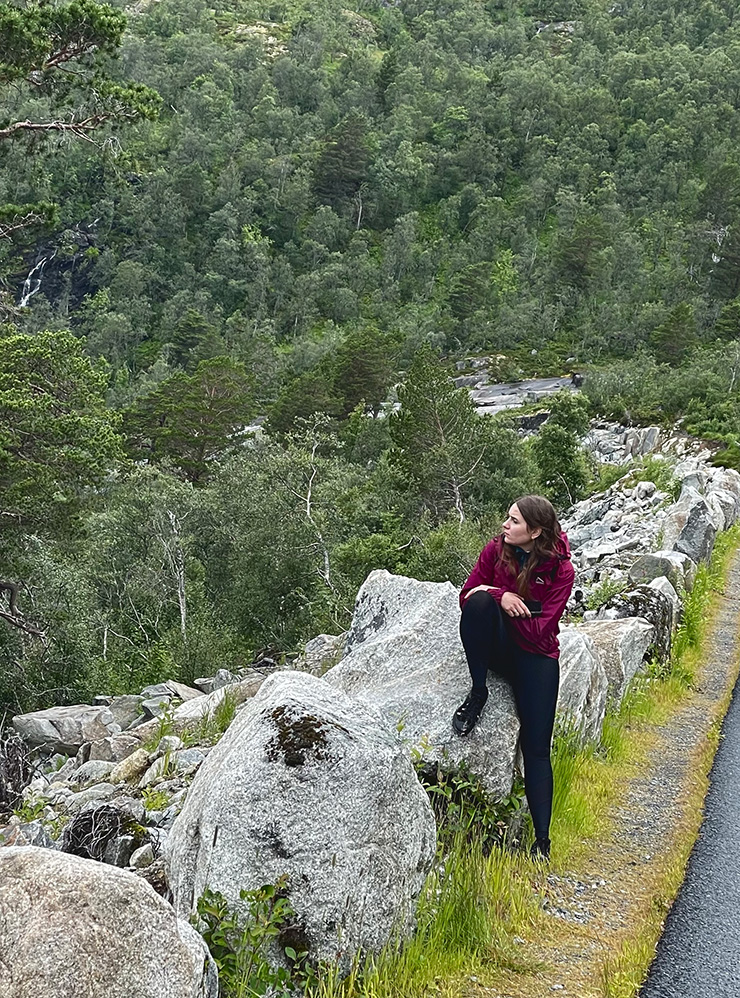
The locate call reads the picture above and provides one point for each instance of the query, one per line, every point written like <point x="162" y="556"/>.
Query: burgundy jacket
<point x="551" y="584"/>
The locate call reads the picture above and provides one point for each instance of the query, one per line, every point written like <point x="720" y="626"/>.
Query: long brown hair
<point x="537" y="512"/>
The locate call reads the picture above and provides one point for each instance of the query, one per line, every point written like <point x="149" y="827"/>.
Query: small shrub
<point x="463" y="806"/>
<point x="212" y="726"/>
<point x="31" y="809"/>
<point x="653" y="469"/>
<point x="605" y="591"/>
<point x="154" y="799"/>
<point x="241" y="943"/>
<point x="608" y="475"/>
<point x="165" y="726"/>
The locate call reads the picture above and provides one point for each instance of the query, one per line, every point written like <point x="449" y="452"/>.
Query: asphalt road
<point x="698" y="955"/>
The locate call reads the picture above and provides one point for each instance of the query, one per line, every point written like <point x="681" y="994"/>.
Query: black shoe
<point x="540" y="850"/>
<point x="466" y="716"/>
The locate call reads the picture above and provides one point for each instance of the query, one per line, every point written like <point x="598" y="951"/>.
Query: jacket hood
<point x="563" y="545"/>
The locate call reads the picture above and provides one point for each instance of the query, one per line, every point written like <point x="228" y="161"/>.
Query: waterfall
<point x="32" y="284"/>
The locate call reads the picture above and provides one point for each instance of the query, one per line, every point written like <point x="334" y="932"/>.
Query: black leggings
<point x="534" y="680"/>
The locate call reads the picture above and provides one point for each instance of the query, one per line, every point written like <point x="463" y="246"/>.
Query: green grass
<point x="471" y="909"/>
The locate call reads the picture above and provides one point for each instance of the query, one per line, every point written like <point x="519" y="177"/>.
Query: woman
<point x="511" y="609"/>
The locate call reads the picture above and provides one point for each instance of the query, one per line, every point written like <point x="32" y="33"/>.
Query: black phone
<point x="534" y="606"/>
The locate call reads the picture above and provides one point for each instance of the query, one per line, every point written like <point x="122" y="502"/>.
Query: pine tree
<point x="342" y="166"/>
<point x="727" y="325"/>
<point x="438" y="440"/>
<point x="190" y="420"/>
<point x="674" y="339"/>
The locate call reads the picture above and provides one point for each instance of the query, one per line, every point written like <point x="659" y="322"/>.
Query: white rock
<point x="171" y="688"/>
<point x="114" y="748"/>
<point x="688" y="526"/>
<point x="74" y="927"/>
<point x="169" y="744"/>
<point x="204" y="706"/>
<point x="66" y="729"/>
<point x="97" y="792"/>
<point x="141" y="857"/>
<point x="663" y="585"/>
<point x="667" y="564"/>
<point x="207" y="684"/>
<point x="727" y="503"/>
<point x="93" y="771"/>
<point x="310" y="783"/>
<point x="643" y="490"/>
<point x="621" y="646"/>
<point x="583" y="683"/>
<point x="727" y="479"/>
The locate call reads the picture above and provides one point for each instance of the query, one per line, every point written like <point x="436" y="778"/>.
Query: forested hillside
<point x="281" y="210"/>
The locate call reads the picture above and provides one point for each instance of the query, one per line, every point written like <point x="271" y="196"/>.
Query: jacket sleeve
<point x="538" y="630"/>
<point x="484" y="574"/>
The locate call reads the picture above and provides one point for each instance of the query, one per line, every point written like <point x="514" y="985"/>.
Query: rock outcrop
<point x="677" y="567"/>
<point x="66" y="729"/>
<point x="583" y="684"/>
<point x="621" y="646"/>
<point x="404" y="657"/>
<point x="689" y="527"/>
<point x="652" y="606"/>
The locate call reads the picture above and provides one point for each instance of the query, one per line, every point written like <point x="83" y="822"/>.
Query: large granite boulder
<point x="75" y="928"/>
<point x="66" y="729"/>
<point x="404" y="657"/>
<point x="689" y="526"/>
<point x="729" y="480"/>
<point x="663" y="585"/>
<point x="621" y="646"/>
<point x="677" y="567"/>
<point x="652" y="605"/>
<point x="724" y="505"/>
<point x="310" y="783"/>
<point x="583" y="684"/>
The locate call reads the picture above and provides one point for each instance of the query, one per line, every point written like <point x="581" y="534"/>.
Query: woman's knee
<point x="480" y="604"/>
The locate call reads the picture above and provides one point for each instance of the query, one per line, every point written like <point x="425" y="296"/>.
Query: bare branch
<point x="20" y="222"/>
<point x="79" y="129"/>
<point x="21" y="623"/>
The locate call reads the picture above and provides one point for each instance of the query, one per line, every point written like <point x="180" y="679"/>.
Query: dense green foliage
<point x="309" y="204"/>
<point x="464" y="174"/>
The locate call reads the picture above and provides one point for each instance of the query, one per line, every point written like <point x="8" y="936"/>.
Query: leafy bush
<point x="463" y="806"/>
<point x="245" y="939"/>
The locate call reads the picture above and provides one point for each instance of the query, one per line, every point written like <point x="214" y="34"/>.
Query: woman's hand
<point x="514" y="605"/>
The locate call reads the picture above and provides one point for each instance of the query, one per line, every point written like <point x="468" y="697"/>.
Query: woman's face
<point x="516" y="530"/>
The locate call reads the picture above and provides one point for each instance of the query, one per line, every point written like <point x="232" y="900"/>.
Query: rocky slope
<point x="320" y="784"/>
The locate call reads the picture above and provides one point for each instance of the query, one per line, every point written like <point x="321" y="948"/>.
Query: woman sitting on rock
<point x="511" y="609"/>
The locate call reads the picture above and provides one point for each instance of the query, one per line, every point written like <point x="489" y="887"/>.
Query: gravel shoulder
<point x="596" y="906"/>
